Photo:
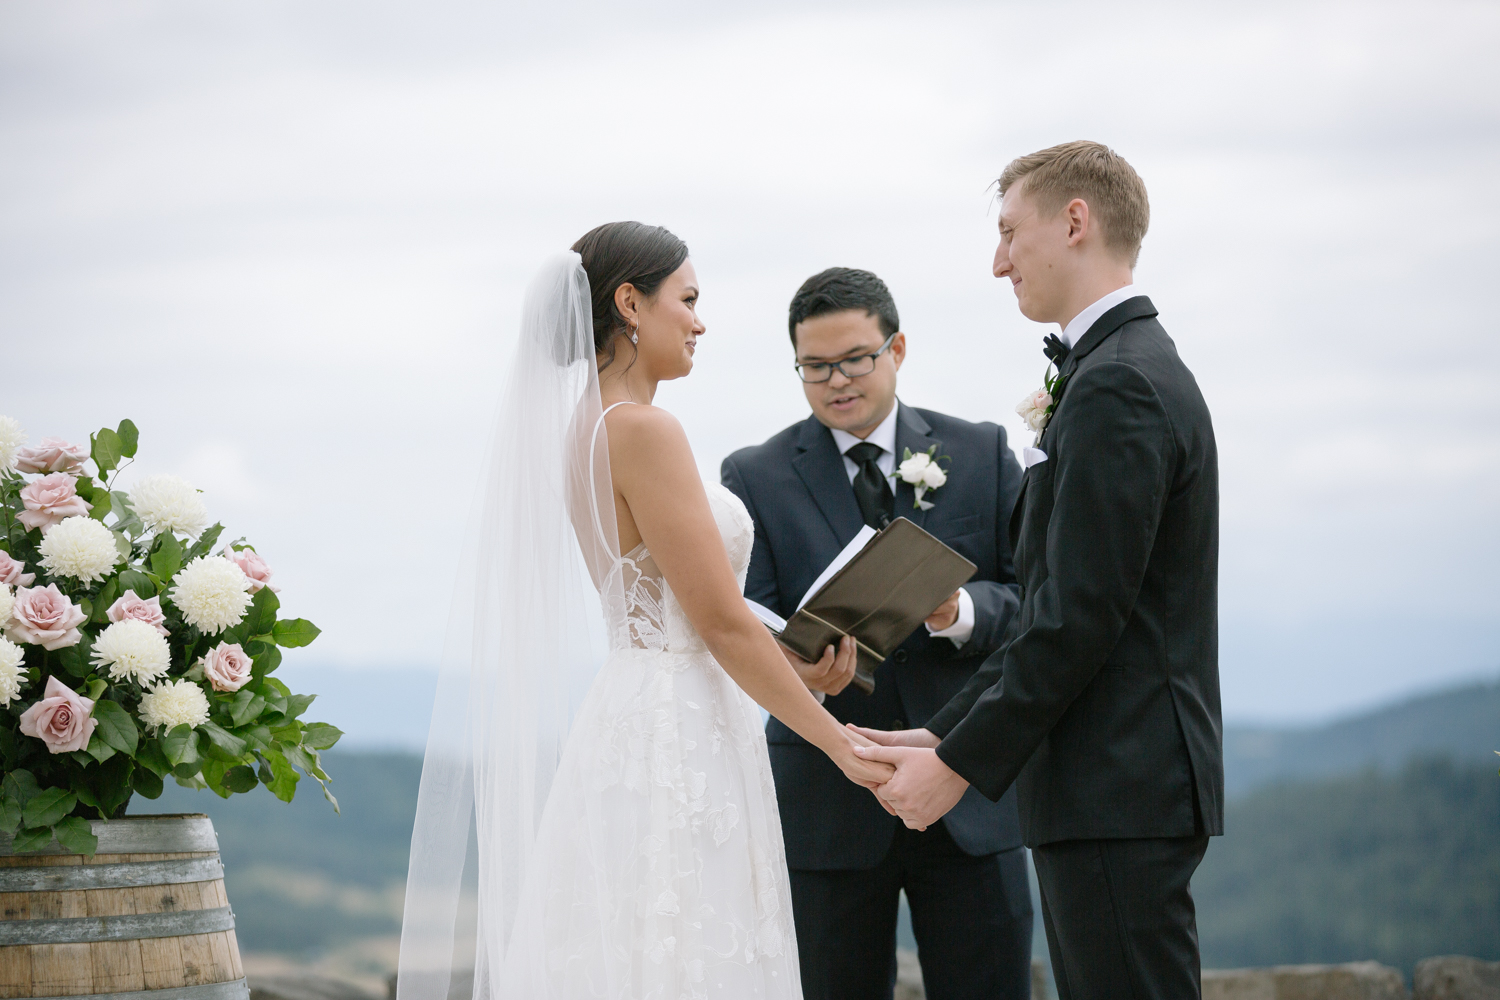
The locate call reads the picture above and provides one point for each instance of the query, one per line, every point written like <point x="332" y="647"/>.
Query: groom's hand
<point x="923" y="788"/>
<point x="832" y="673"/>
<point x="899" y="737"/>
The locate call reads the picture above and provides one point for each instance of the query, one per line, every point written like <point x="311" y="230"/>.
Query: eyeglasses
<point x="863" y="364"/>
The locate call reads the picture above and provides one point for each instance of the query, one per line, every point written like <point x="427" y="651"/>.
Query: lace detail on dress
<point x="645" y="601"/>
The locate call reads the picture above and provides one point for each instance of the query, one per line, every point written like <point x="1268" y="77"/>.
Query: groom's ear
<point x="1079" y="220"/>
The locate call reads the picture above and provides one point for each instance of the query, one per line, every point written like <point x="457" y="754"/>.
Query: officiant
<point x="810" y="489"/>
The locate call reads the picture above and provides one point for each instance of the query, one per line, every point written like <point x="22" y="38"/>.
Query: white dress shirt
<point x="1081" y="323"/>
<point x="884" y="435"/>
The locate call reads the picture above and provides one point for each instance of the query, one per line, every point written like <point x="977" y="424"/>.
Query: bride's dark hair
<point x="620" y="252"/>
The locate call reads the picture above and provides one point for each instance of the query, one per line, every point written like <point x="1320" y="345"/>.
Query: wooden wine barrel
<point x="145" y="918"/>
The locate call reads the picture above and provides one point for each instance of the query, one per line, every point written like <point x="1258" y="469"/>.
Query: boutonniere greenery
<point x="1037" y="408"/>
<point x="923" y="473"/>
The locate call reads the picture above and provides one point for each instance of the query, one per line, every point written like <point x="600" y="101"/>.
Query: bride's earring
<point x="635" y="337"/>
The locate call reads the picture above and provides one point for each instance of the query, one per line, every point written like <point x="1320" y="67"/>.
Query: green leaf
<point x="107" y="596"/>
<point x="10" y="814"/>
<point x="166" y="558"/>
<point x="98" y="749"/>
<point x="320" y="735"/>
<point x="129" y="438"/>
<point x="116" y="727"/>
<point x="297" y="704"/>
<point x="306" y="759"/>
<point x="75" y="659"/>
<point x="94" y="689"/>
<point x="247" y="705"/>
<point x="240" y="779"/>
<point x="102" y="505"/>
<point x="48" y="807"/>
<point x="264" y="663"/>
<point x="77" y="835"/>
<point x="180" y="746"/>
<point x="257" y="737"/>
<point x="297" y="632"/>
<point x="262" y="614"/>
<point x="224" y="739"/>
<point x="106" y="449"/>
<point x="291" y="733"/>
<point x="139" y="582"/>
<point x="126" y="519"/>
<point x="122" y="547"/>
<point x="284" y="778"/>
<point x="151" y="757"/>
<point x="213" y="777"/>
<point x="147" y="783"/>
<point x="205" y="543"/>
<point x="20" y="785"/>
<point x="32" y="840"/>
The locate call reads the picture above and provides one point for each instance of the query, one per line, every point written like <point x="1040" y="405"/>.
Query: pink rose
<point x="44" y="617"/>
<point x="227" y="667"/>
<point x="49" y="500"/>
<point x="1041" y="399"/>
<point x="10" y="571"/>
<point x="52" y="455"/>
<point x="132" y="607"/>
<point x="253" y="566"/>
<point x="61" y="719"/>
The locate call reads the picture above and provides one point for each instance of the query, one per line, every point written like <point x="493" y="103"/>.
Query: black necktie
<point x="1055" y="349"/>
<point x="876" y="501"/>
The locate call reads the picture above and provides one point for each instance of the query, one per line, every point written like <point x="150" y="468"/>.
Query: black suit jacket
<point x="1103" y="704"/>
<point x="798" y="493"/>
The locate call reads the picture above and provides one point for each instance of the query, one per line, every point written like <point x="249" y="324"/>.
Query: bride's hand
<point x="867" y="773"/>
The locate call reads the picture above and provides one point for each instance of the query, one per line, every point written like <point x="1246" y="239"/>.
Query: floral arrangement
<point x="130" y="649"/>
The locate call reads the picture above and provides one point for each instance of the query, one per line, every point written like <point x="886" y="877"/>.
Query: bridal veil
<point x="522" y="645"/>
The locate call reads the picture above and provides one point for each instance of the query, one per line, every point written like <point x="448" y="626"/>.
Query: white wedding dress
<point x="658" y="871"/>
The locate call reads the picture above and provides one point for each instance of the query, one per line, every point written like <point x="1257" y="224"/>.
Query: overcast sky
<point x="288" y="239"/>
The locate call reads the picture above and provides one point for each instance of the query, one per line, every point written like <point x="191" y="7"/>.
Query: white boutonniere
<point x="1036" y="409"/>
<point x="922" y="472"/>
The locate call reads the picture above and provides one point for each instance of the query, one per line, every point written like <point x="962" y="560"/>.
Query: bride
<point x="630" y="849"/>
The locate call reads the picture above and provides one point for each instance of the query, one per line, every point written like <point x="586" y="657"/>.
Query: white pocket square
<point x="1031" y="456"/>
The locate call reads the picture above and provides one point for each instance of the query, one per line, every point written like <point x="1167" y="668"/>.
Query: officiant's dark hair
<point x="620" y="252"/>
<point x="840" y="288"/>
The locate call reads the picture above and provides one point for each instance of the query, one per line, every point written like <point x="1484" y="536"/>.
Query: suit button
<point x="898" y="724"/>
<point x="899" y="656"/>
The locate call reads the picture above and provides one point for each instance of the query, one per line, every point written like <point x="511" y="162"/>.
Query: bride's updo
<point x="620" y="252"/>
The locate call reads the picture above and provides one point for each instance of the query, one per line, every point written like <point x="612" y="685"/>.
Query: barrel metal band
<point x="235" y="990"/>
<point x="79" y="930"/>
<point x="62" y="878"/>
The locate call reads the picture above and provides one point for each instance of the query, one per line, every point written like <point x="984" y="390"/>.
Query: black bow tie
<point x="1055" y="350"/>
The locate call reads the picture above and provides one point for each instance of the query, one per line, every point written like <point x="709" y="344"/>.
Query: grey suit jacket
<point x="798" y="493"/>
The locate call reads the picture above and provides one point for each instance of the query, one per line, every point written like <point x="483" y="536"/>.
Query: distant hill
<point x="1339" y="853"/>
<point x="1462" y="723"/>
<point x="1369" y="866"/>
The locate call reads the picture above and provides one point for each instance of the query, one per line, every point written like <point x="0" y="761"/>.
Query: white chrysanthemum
<point x="12" y="676"/>
<point x="11" y="438"/>
<point x="79" y="547"/>
<point x="174" y="703"/>
<point x="211" y="592"/>
<point x="132" y="650"/>
<point x="167" y="503"/>
<point x="7" y="604"/>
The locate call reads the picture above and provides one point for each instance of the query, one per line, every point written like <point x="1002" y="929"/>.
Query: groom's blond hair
<point x="1114" y="192"/>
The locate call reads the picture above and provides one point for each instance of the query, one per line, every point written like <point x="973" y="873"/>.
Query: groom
<point x="810" y="489"/>
<point x="1102" y="706"/>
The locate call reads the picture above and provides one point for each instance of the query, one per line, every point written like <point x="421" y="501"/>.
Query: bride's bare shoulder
<point x="645" y="431"/>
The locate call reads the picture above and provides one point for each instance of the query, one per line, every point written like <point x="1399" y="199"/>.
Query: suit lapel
<point x="821" y="469"/>
<point x="915" y="433"/>
<point x="1104" y="327"/>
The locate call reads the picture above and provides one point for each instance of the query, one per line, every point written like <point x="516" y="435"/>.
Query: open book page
<point x="841" y="560"/>
<point x="769" y="618"/>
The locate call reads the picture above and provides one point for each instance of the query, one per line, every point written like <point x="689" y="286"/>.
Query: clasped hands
<point x="923" y="788"/>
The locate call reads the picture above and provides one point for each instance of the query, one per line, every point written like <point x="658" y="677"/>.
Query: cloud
<point x="290" y="242"/>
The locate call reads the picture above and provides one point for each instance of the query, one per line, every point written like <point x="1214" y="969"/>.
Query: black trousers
<point x="1119" y="917"/>
<point x="971" y="916"/>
